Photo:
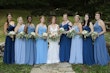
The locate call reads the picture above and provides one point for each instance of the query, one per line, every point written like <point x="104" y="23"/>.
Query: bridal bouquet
<point x="71" y="33"/>
<point x="94" y="35"/>
<point x="11" y="34"/>
<point x="44" y="35"/>
<point x="21" y="35"/>
<point x="54" y="36"/>
<point x="85" y="33"/>
<point x="61" y="30"/>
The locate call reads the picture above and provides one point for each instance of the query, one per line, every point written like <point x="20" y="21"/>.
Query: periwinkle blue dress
<point x="88" y="49"/>
<point x="9" y="54"/>
<point x="100" y="51"/>
<point x="65" y="45"/>
<point x="41" y="47"/>
<point x="30" y="47"/>
<point x="76" y="56"/>
<point x="20" y="48"/>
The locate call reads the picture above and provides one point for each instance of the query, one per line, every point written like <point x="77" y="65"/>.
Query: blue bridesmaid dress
<point x="88" y="50"/>
<point x="65" y="45"/>
<point x="9" y="54"/>
<point x="100" y="51"/>
<point x="76" y="56"/>
<point x="41" y="47"/>
<point x="20" y="48"/>
<point x="30" y="47"/>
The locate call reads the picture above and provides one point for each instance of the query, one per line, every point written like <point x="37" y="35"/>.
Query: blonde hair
<point x="78" y="17"/>
<point x="18" y="19"/>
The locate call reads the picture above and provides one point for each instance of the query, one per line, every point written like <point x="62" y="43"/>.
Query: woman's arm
<point x="80" y="28"/>
<point x="102" y="24"/>
<point x="91" y="27"/>
<point x="5" y="28"/>
<point x="25" y="28"/>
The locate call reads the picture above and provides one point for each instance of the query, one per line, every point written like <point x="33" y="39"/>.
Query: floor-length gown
<point x="41" y="47"/>
<point x="53" y="51"/>
<point x="76" y="56"/>
<point x="30" y="47"/>
<point x="20" y="48"/>
<point x="100" y="51"/>
<point x="88" y="50"/>
<point x="9" y="55"/>
<point x="65" y="45"/>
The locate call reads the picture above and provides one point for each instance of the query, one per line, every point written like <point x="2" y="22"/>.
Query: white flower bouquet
<point x="94" y="35"/>
<point x="21" y="35"/>
<point x="71" y="33"/>
<point x="85" y="33"/>
<point x="44" y="35"/>
<point x="61" y="30"/>
<point x="11" y="34"/>
<point x="32" y="35"/>
<point x="54" y="36"/>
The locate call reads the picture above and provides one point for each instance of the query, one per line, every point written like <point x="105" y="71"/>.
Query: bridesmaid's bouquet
<point x="11" y="34"/>
<point x="85" y="33"/>
<point x="44" y="35"/>
<point x="32" y="35"/>
<point x="94" y="35"/>
<point x="54" y="36"/>
<point x="71" y="33"/>
<point x="21" y="35"/>
<point x="61" y="30"/>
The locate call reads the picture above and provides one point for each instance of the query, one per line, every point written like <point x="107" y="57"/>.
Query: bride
<point x="53" y="52"/>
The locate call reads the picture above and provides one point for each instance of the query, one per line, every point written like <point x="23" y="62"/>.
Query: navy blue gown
<point x="9" y="48"/>
<point x="88" y="49"/>
<point x="65" y="45"/>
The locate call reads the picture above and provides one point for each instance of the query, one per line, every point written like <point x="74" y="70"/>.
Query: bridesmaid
<point x="41" y="44"/>
<point x="88" y="51"/>
<point x="76" y="56"/>
<point x="65" y="42"/>
<point x="53" y="52"/>
<point x="9" y="43"/>
<point x="100" y="51"/>
<point x="20" y="43"/>
<point x="30" y="43"/>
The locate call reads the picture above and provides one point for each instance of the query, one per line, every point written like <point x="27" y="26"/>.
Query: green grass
<point x="12" y="68"/>
<point x="91" y="69"/>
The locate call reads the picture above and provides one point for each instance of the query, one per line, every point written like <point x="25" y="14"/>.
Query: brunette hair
<point x="88" y="23"/>
<point x="7" y="18"/>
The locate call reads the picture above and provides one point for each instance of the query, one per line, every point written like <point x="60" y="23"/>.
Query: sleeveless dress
<point x="41" y="47"/>
<point x="9" y="55"/>
<point x="53" y="51"/>
<point x="30" y="47"/>
<point x="20" y="48"/>
<point x="100" y="51"/>
<point x="65" y="45"/>
<point x="76" y="56"/>
<point x="88" y="50"/>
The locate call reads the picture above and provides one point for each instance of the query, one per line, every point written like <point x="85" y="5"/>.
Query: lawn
<point x="4" y="68"/>
<point x="12" y="68"/>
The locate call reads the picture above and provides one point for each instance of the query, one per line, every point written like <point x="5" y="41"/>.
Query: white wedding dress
<point x="53" y="51"/>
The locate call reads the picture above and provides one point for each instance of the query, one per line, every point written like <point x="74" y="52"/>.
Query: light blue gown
<point x="41" y="47"/>
<point x="20" y="48"/>
<point x="76" y="56"/>
<point x="100" y="51"/>
<point x="30" y="47"/>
